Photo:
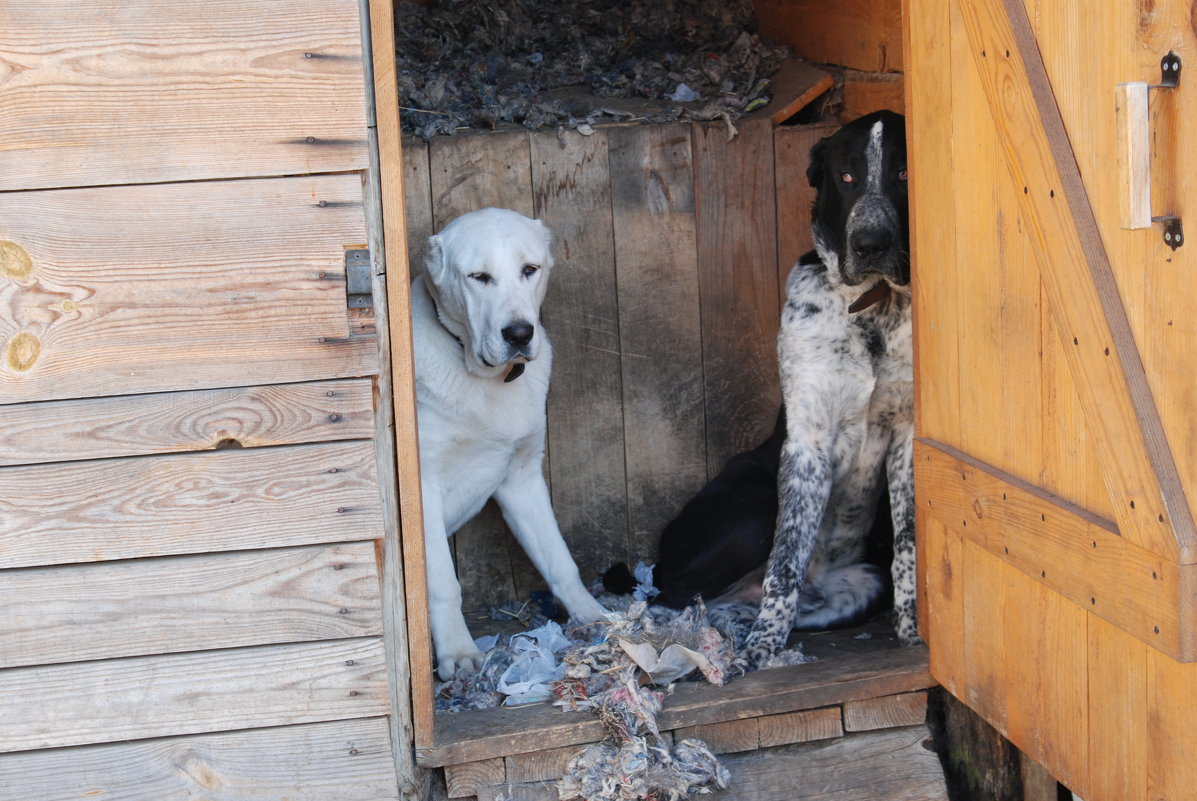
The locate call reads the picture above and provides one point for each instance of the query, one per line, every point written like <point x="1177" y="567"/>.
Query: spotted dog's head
<point x="489" y="272"/>
<point x="861" y="221"/>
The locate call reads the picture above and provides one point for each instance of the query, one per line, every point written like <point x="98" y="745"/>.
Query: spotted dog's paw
<point x="759" y="648"/>
<point x="908" y="631"/>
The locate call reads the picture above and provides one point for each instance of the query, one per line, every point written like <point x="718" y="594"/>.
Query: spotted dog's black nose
<point x="872" y="243"/>
<point x="518" y="334"/>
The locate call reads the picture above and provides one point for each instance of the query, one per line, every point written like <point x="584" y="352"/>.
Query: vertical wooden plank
<point x="652" y="200"/>
<point x="941" y="623"/>
<point x="933" y="232"/>
<point x="477" y="170"/>
<point x="1118" y="730"/>
<point x="417" y="201"/>
<point x="1019" y="411"/>
<point x="986" y="599"/>
<point x="795" y="195"/>
<point x="1171" y="687"/>
<point x="978" y="216"/>
<point x="401" y="557"/>
<point x="735" y="205"/>
<point x="1028" y="652"/>
<point x="467" y="173"/>
<point x="572" y="186"/>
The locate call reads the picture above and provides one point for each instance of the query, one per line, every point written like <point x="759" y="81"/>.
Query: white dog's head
<point x="489" y="270"/>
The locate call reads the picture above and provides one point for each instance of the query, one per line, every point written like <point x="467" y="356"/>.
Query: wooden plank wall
<point x="1053" y="608"/>
<point x="672" y="245"/>
<point x="192" y="514"/>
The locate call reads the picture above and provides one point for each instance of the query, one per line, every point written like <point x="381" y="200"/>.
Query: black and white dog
<point x="845" y="359"/>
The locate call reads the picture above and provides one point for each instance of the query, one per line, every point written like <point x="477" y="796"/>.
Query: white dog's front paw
<point x="586" y="609"/>
<point x="458" y="661"/>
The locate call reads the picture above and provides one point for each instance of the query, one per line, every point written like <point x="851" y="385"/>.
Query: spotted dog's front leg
<point x="803" y="486"/>
<point x="900" y="469"/>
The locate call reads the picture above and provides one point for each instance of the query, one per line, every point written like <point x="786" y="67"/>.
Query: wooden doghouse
<point x="210" y="583"/>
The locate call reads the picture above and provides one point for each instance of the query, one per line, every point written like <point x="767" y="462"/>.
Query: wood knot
<point x="22" y="351"/>
<point x="14" y="261"/>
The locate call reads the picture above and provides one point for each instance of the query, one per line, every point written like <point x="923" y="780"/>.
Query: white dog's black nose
<point x="518" y="334"/>
<point x="872" y="243"/>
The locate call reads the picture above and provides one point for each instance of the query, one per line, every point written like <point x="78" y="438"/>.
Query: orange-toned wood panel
<point x="936" y="264"/>
<point x="1118" y="733"/>
<point x="178" y="286"/>
<point x="862" y="34"/>
<point x="1062" y="547"/>
<point x="1140" y="475"/>
<point x="1171" y="769"/>
<point x="979" y="299"/>
<point x="186" y="503"/>
<point x="1026" y="663"/>
<point x="166" y="422"/>
<point x="114" y="93"/>
<point x="1086" y="55"/>
<point x="941" y="601"/>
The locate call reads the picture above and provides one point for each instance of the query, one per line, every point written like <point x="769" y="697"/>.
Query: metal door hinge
<point x="359" y="278"/>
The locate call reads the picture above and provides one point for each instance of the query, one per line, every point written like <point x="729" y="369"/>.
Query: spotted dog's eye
<point x="902" y="175"/>
<point x="530" y="270"/>
<point x="847" y="177"/>
<point x="482" y="278"/>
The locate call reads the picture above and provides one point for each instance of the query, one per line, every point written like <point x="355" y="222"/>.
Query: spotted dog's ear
<point x="434" y="262"/>
<point x="818" y="162"/>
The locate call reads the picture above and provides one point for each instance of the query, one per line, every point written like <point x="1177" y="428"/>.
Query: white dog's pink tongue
<point x="516" y="370"/>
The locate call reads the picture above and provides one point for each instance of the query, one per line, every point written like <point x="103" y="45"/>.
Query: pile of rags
<point x="477" y="63"/>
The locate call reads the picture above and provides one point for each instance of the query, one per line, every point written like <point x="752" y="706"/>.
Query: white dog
<point x="482" y="378"/>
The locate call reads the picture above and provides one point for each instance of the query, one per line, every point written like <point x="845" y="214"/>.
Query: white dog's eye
<point x="530" y="270"/>
<point x="482" y="278"/>
<point x="846" y="177"/>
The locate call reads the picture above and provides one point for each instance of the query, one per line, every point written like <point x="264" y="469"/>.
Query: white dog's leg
<point x="524" y="499"/>
<point x="456" y="653"/>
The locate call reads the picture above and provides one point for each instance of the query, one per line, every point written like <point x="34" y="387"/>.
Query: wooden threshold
<point x="848" y="669"/>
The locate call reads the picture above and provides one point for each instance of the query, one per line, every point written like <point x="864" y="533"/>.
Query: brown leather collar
<point x="881" y="292"/>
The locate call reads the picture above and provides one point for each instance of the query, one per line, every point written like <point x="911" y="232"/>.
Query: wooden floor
<point x="863" y="699"/>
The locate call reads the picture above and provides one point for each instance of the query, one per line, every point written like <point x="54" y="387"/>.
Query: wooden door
<point x="199" y="577"/>
<point x="1056" y="382"/>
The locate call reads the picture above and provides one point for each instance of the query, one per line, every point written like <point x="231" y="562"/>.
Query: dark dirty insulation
<point x="472" y="64"/>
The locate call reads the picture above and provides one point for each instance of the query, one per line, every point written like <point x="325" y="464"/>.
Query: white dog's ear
<point x="434" y="262"/>
<point x="546" y="232"/>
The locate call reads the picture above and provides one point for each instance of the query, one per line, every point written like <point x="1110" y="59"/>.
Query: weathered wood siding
<point x="672" y="244"/>
<point x="193" y="520"/>
<point x="1055" y="387"/>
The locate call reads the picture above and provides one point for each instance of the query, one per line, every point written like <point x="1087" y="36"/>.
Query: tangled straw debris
<point x="475" y="64"/>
